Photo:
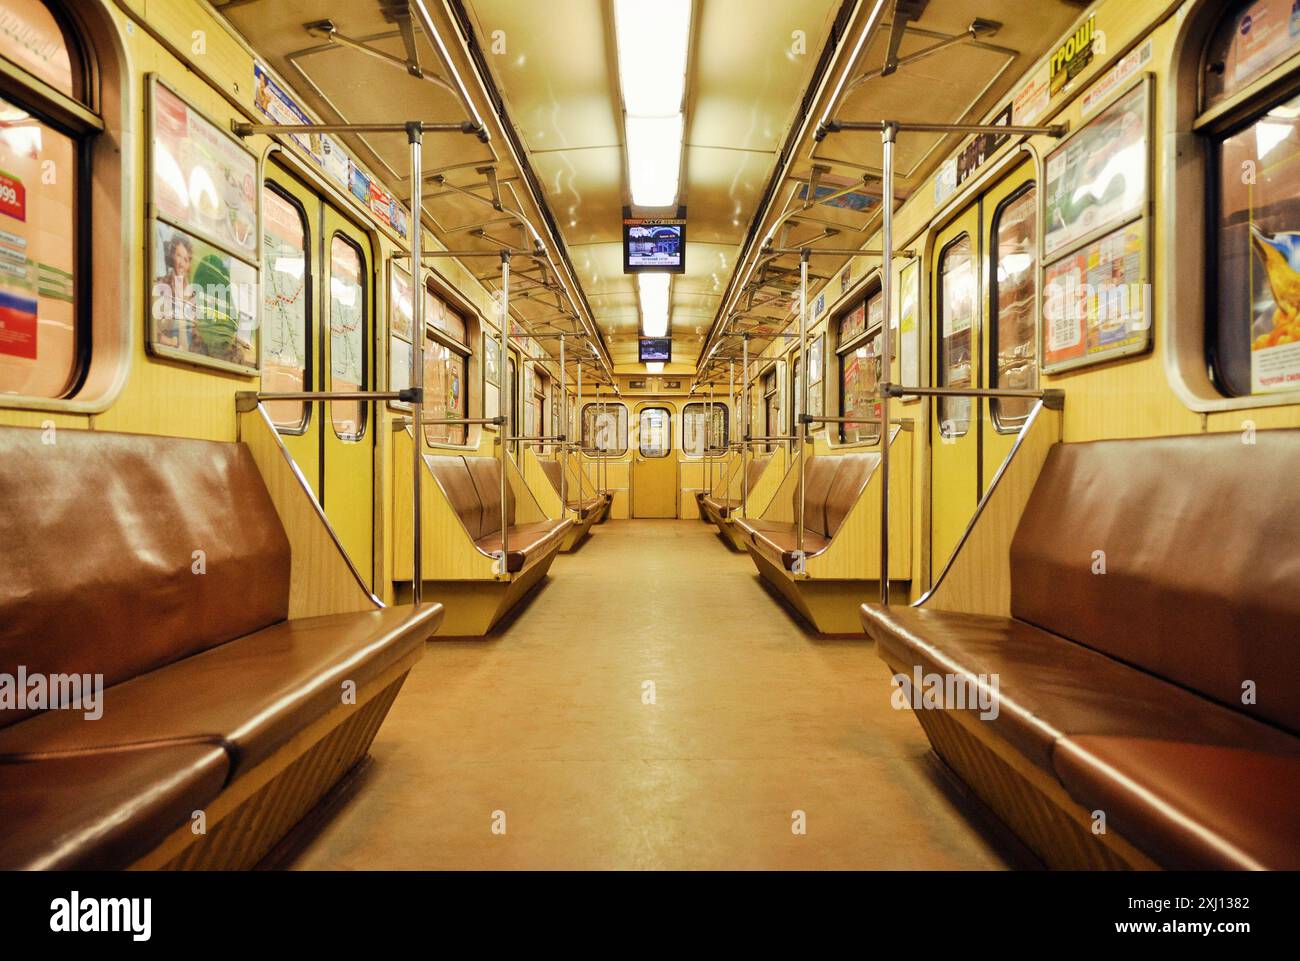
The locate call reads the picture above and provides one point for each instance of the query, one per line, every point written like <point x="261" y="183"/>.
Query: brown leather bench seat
<point x="720" y="506"/>
<point x="472" y="486"/>
<point x="249" y="695"/>
<point x="583" y="506"/>
<point x="1126" y="687"/>
<point x="103" y="809"/>
<point x="832" y="483"/>
<point x="203" y="674"/>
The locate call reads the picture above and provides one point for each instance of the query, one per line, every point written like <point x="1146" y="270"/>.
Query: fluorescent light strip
<point x="654" y="159"/>
<point x="654" y="304"/>
<point x="652" y="40"/>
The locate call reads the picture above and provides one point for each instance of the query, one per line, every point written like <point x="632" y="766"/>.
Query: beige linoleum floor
<point x="754" y="720"/>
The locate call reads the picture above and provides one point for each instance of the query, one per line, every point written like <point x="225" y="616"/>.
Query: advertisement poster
<point x="1096" y="302"/>
<point x="1115" y="78"/>
<point x="204" y="181"/>
<point x="491" y="360"/>
<point x="1032" y="100"/>
<point x="277" y="106"/>
<point x="18" y="282"/>
<point x="17" y="324"/>
<point x="273" y="102"/>
<point x="909" y="346"/>
<point x="1275" y="317"/>
<point x="853" y="323"/>
<point x="204" y="301"/>
<point x="1098" y="177"/>
<point x="401" y="306"/>
<point x="1265" y="30"/>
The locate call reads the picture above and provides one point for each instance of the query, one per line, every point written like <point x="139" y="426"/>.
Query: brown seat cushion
<point x="827" y="501"/>
<point x="453" y="477"/>
<point x="527" y="542"/>
<point x="486" y="474"/>
<point x="1050" y="688"/>
<point x="778" y="540"/>
<point x="722" y="506"/>
<point x="587" y="506"/>
<point x="1202" y="582"/>
<point x="99" y="533"/>
<point x="1190" y="805"/>
<point x="250" y="695"/>
<point x="105" y="810"/>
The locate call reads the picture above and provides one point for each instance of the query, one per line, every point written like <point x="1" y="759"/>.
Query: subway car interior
<point x="669" y="435"/>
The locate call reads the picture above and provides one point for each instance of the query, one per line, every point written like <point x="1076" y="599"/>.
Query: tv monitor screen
<point x="656" y="349"/>
<point x="658" y="245"/>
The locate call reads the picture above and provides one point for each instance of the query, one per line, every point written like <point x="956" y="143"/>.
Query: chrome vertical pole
<point x="581" y="427"/>
<point x="731" y="403"/>
<point x="744" y="423"/>
<point x="708" y="423"/>
<point x="889" y="133"/>
<point x="415" y="137"/>
<point x="801" y="401"/>
<point x="509" y="394"/>
<point x="564" y="431"/>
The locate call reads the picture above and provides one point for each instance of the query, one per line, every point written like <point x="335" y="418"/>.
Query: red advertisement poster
<point x="13" y="197"/>
<point x="17" y="325"/>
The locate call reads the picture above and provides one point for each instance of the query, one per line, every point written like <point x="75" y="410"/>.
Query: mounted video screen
<point x="657" y="245"/>
<point x="655" y="350"/>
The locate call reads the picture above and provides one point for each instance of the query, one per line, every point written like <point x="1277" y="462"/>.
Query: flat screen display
<point x="656" y="349"/>
<point x="658" y="245"/>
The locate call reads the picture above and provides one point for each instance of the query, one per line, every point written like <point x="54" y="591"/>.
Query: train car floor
<point x="652" y="706"/>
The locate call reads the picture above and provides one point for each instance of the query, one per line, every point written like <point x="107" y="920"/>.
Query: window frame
<point x="1014" y="425"/>
<point x="872" y="288"/>
<point x="593" y="452"/>
<point x="309" y="292"/>
<point x="79" y="119"/>
<point x="726" y="427"/>
<point x="668" y="432"/>
<point x="941" y="368"/>
<point x="442" y="339"/>
<point x="363" y="276"/>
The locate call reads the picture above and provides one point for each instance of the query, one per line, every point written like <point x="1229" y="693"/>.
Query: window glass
<point x="771" y="405"/>
<point x="796" y="391"/>
<point x="347" y="336"/>
<point x="1255" y="37"/>
<point x="537" y="404"/>
<point x="439" y="314"/>
<point x="401" y="310"/>
<point x="958" y="302"/>
<point x="33" y="39"/>
<point x="1015" y="289"/>
<point x="444" y="391"/>
<point x="1255" y="336"/>
<point x="859" y="377"/>
<point x="853" y="323"/>
<point x="38" y="244"/>
<point x="699" y="428"/>
<point x="286" y="296"/>
<point x="655" y="432"/>
<point x="604" y="429"/>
